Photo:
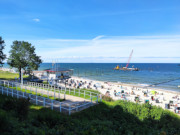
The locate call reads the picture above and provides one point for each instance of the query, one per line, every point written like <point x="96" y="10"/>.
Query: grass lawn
<point x="5" y="75"/>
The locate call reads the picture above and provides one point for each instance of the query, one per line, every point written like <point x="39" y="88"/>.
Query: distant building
<point x="58" y="74"/>
<point x="54" y="74"/>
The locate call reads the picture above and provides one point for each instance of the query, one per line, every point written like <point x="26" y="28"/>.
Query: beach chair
<point x="171" y="103"/>
<point x="157" y="100"/>
<point x="167" y="106"/>
<point x="146" y="101"/>
<point x="136" y="99"/>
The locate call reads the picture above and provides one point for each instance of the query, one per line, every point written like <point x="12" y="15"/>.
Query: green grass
<point x="106" y="118"/>
<point x="5" y="75"/>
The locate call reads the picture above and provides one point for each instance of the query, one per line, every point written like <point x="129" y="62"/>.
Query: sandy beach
<point x="121" y="91"/>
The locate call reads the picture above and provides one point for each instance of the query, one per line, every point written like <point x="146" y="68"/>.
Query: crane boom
<point x="129" y="59"/>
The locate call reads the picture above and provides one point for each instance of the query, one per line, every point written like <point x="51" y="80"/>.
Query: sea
<point x="156" y="75"/>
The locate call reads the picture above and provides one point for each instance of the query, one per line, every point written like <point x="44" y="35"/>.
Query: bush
<point x="4" y="122"/>
<point x="47" y="118"/>
<point x="107" y="98"/>
<point x="9" y="104"/>
<point x="22" y="108"/>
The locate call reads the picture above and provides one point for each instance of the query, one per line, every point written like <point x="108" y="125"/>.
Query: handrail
<point x="70" y="106"/>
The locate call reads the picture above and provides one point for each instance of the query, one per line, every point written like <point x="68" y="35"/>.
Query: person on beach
<point x="115" y="93"/>
<point x="152" y="98"/>
<point x="132" y="92"/>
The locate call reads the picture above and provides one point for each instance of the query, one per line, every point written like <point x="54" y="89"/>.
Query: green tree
<point x="2" y="55"/>
<point x="23" y="56"/>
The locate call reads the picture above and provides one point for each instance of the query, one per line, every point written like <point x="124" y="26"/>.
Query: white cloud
<point x="36" y="20"/>
<point x="111" y="49"/>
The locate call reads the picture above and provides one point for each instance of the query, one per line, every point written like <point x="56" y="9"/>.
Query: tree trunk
<point x="20" y="74"/>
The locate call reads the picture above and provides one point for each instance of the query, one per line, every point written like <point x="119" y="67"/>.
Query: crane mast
<point x="129" y="59"/>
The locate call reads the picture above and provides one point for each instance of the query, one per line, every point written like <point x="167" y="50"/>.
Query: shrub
<point x="9" y="104"/>
<point x="4" y="122"/>
<point x="22" y="108"/>
<point x="47" y="118"/>
<point x="107" y="98"/>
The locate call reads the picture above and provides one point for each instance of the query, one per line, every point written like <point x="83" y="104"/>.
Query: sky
<point x="95" y="30"/>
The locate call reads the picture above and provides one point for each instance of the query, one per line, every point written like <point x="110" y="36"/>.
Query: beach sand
<point x="164" y="96"/>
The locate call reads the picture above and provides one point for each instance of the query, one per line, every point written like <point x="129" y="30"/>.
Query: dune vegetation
<point x="18" y="116"/>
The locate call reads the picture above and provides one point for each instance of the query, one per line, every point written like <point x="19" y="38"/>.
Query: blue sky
<point x="95" y="30"/>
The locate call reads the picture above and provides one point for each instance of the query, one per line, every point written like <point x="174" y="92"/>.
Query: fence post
<point x="69" y="91"/>
<point x="25" y="88"/>
<point x="79" y="92"/>
<point x="101" y="97"/>
<point x="64" y="95"/>
<point x="44" y="102"/>
<point x="8" y="84"/>
<point x="74" y="91"/>
<point x="7" y="91"/>
<point x="12" y="92"/>
<point x="90" y="94"/>
<point x="84" y="93"/>
<point x="91" y="100"/>
<point x="60" y="107"/>
<point x="36" y="90"/>
<point x="23" y="94"/>
<point x="59" y="93"/>
<point x="2" y="90"/>
<point x="97" y="99"/>
<point x="30" y="89"/>
<point x="17" y="94"/>
<point x="51" y="104"/>
<point x="69" y="109"/>
<point x="48" y="93"/>
<point x="54" y="92"/>
<point x="36" y="100"/>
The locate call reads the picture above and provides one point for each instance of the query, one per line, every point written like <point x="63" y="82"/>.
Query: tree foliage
<point x="23" y="56"/>
<point x="2" y="55"/>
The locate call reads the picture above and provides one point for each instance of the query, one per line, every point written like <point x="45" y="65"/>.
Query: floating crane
<point x="129" y="59"/>
<point x="126" y="68"/>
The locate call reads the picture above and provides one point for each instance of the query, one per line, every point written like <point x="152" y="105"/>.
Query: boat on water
<point x="178" y="86"/>
<point x="126" y="68"/>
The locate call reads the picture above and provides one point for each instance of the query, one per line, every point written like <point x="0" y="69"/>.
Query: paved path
<point x="70" y="105"/>
<point x="68" y="98"/>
